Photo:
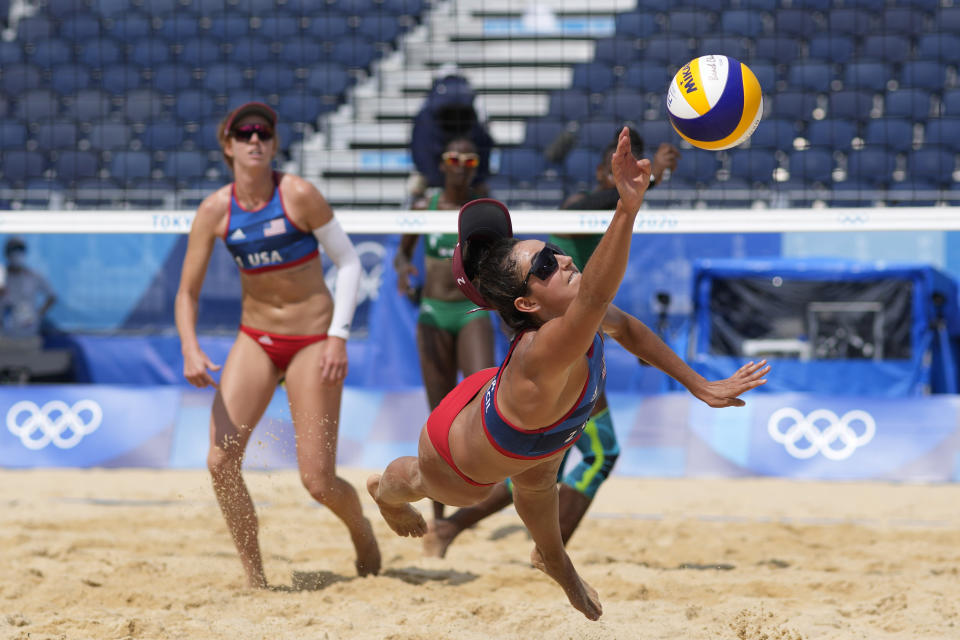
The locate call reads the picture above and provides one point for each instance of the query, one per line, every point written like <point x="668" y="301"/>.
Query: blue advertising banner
<point x="795" y="435"/>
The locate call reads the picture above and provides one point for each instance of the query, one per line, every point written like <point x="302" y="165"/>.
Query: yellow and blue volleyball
<point x="714" y="102"/>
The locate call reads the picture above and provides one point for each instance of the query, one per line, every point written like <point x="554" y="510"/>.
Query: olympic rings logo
<point x="55" y="422"/>
<point x="836" y="429"/>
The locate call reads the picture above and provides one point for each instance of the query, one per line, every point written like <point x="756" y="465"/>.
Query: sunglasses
<point x="543" y="264"/>
<point x="457" y="159"/>
<point x="245" y="132"/>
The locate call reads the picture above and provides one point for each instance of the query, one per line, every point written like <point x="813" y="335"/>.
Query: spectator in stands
<point x="292" y="328"/>
<point x="26" y="295"/>
<point x="598" y="446"/>
<point x="517" y="421"/>
<point x="447" y="113"/>
<point x="449" y="337"/>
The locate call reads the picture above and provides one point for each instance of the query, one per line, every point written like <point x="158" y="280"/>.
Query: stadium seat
<point x="163" y="7"/>
<point x="854" y="193"/>
<point x="403" y="8"/>
<point x="892" y="133"/>
<point x="354" y="52"/>
<point x="378" y="28"/>
<point x="142" y="105"/>
<point x="72" y="165"/>
<point x="885" y="48"/>
<point x="198" y="52"/>
<point x="617" y="51"/>
<point x="279" y="27"/>
<point x="834" y="133"/>
<point x="667" y="49"/>
<point x="636" y="24"/>
<point x="655" y="132"/>
<point x="111" y="8"/>
<point x="521" y="163"/>
<point x="644" y="77"/>
<point x="221" y="78"/>
<point x="932" y="163"/>
<point x="948" y="19"/>
<point x="67" y="79"/>
<point x="276" y="78"/>
<point x="300" y="52"/>
<point x="34" y="29"/>
<point x="19" y="165"/>
<point x="595" y="77"/>
<point x="938" y="46"/>
<point x="871" y="165"/>
<point x="118" y="79"/>
<point x="100" y="53"/>
<point x="88" y="105"/>
<point x="250" y="51"/>
<point x="746" y="23"/>
<point x="753" y="165"/>
<point x="328" y="28"/>
<point x="56" y="134"/>
<point x="354" y="7"/>
<point x="50" y="53"/>
<point x="13" y="135"/>
<point x="923" y="74"/>
<point x="852" y="104"/>
<point x="776" y="49"/>
<point x="732" y="46"/>
<point x="796" y="22"/>
<point x="580" y="166"/>
<point x="951" y="102"/>
<point x="171" y="78"/>
<point x="163" y="135"/>
<point x="944" y="132"/>
<point x="130" y="28"/>
<point x="812" y="165"/>
<point x="596" y="134"/>
<point x="851" y="22"/>
<point x="228" y="27"/>
<point x="575" y="104"/>
<point x="904" y="21"/>
<point x="298" y="107"/>
<point x="150" y="52"/>
<point x="867" y="75"/>
<point x="831" y="48"/>
<point x="256" y="7"/>
<point x="10" y="53"/>
<point x="539" y="133"/>
<point x="912" y="193"/>
<point x="37" y="105"/>
<point x="624" y="103"/>
<point x="110" y="136"/>
<point x="182" y="166"/>
<point x="127" y="166"/>
<point x="691" y="23"/>
<point x="65" y="8"/>
<point x="329" y="79"/>
<point x="766" y="74"/>
<point x="811" y="5"/>
<point x="810" y="76"/>
<point x="775" y="133"/>
<point x="194" y="105"/>
<point x="913" y="104"/>
<point x="19" y="77"/>
<point x="178" y="27"/>
<point x="696" y="166"/>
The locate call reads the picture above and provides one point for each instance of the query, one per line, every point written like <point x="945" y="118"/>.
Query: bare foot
<point x="440" y="534"/>
<point x="368" y="552"/>
<point x="581" y="595"/>
<point x="403" y="519"/>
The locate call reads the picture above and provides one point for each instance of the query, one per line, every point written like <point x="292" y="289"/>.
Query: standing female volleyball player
<point x="517" y="421"/>
<point x="449" y="337"/>
<point x="290" y="327"/>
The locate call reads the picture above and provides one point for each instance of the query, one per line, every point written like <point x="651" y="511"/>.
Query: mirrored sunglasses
<point x="543" y="264"/>
<point x="245" y="132"/>
<point x="457" y="159"/>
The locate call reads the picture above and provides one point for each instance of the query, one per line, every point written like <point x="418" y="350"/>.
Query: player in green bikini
<point x="449" y="337"/>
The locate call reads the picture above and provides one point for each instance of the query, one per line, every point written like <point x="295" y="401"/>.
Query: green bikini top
<point x="439" y="245"/>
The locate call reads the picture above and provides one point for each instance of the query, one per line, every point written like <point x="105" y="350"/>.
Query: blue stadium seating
<point x="110" y="136"/>
<point x="354" y="52"/>
<point x="810" y="76"/>
<point x="948" y="19"/>
<point x="328" y="28"/>
<point x="595" y="77"/>
<point x="150" y="52"/>
<point x="624" y="103"/>
<point x="932" y="163"/>
<point x="655" y="132"/>
<point x="938" y="46"/>
<point x="812" y="165"/>
<point x="221" y="78"/>
<point x="184" y="165"/>
<point x="914" y="187"/>
<point x="37" y="105"/>
<point x="867" y="75"/>
<point x="691" y="23"/>
<point x="775" y="133"/>
<point x="727" y="45"/>
<point x="402" y="8"/>
<point x="857" y="193"/>
<point x="100" y="52"/>
<point x="521" y="163"/>
<point x="279" y="28"/>
<point x="111" y="8"/>
<point x="794" y="105"/>
<point x="171" y="78"/>
<point x="951" y="102"/>
<point x="378" y="28"/>
<point x="34" y="28"/>
<point x="55" y="135"/>
<point x="904" y="21"/>
<point x="130" y="28"/>
<point x="72" y="165"/>
<point x="913" y="104"/>
<point x="944" y="132"/>
<point x="766" y="74"/>
<point x="88" y="105"/>
<point x="10" y="53"/>
<point x="162" y="7"/>
<point x="68" y="79"/>
<point x="163" y="135"/>
<point x="645" y="77"/>
<point x="540" y="132"/>
<point x="228" y="27"/>
<point x="636" y="24"/>
<point x="49" y="53"/>
<point x="871" y="165"/>
<point x="850" y="103"/>
<point x="327" y="79"/>
<point x="885" y="48"/>
<point x="923" y="74"/>
<point x="667" y="49"/>
<point x="833" y="133"/>
<point x="831" y="48"/>
<point x="697" y="166"/>
<point x="193" y="105"/>
<point x="142" y="105"/>
<point x="250" y="51"/>
<point x="299" y="107"/>
<point x="580" y="166"/>
<point x="617" y="51"/>
<point x="753" y="165"/>
<point x="300" y="52"/>
<point x="796" y="22"/>
<point x="20" y="165"/>
<point x="178" y="27"/>
<point x="777" y="49"/>
<point x="354" y="7"/>
<point x="597" y="133"/>
<point x="893" y="133"/>
<point x="13" y="135"/>
<point x="66" y="8"/>
<point x="743" y="22"/>
<point x="127" y="166"/>
<point x="850" y="21"/>
<point x="575" y="104"/>
<point x="280" y="78"/>
<point x="198" y="52"/>
<point x="18" y="77"/>
<point x="118" y="79"/>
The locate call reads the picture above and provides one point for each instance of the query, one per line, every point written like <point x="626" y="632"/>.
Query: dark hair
<point x="495" y="272"/>
<point x="636" y="144"/>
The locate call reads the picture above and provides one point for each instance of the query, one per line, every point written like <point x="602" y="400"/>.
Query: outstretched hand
<point x="723" y="393"/>
<point x="631" y="176"/>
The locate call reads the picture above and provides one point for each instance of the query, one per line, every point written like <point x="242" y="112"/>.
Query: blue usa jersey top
<point x="266" y="239"/>
<point x="540" y="443"/>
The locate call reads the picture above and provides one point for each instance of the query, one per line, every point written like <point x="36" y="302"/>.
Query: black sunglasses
<point x="245" y="132"/>
<point x="543" y="264"/>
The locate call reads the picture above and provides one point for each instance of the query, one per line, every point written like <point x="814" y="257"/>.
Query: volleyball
<point x="714" y="102"/>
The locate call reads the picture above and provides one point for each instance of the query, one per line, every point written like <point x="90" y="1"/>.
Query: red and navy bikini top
<point x="267" y="238"/>
<point x="540" y="443"/>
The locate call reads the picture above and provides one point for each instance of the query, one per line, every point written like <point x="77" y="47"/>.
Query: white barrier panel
<point x="524" y="221"/>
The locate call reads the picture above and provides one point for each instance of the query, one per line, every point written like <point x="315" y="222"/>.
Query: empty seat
<point x="199" y="52"/>
<point x="34" y="28"/>
<point x="795" y="105"/>
<point x="256" y="7"/>
<point x="913" y="104"/>
<point x="923" y="74"/>
<point x="127" y="166"/>
<point x="598" y="133"/>
<point x="111" y="8"/>
<point x="948" y="20"/>
<point x="67" y="79"/>
<point x="944" y="132"/>
<point x="871" y="165"/>
<point x="810" y="76"/>
<point x="280" y="78"/>
<point x="796" y="22"/>
<point x="13" y="135"/>
<point x="221" y="78"/>
<point x="328" y="79"/>
<point x="354" y="52"/>
<point x="19" y="165"/>
<point x="776" y="49"/>
<point x="378" y="27"/>
<point x="37" y="105"/>
<point x="913" y="192"/>
<point x="171" y="77"/>
<point x="178" y="27"/>
<point x="753" y="165"/>
<point x="853" y="104"/>
<point x="854" y="193"/>
<point x="58" y="134"/>
<point x="624" y="103"/>
<point x="775" y="133"/>
<point x="595" y="77"/>
<point x="521" y="163"/>
<point x="867" y="75"/>
<point x="835" y="133"/>
<point x="65" y="8"/>
<point x="118" y="79"/>
<point x="692" y="23"/>
<point x="617" y="51"/>
<point x="130" y="28"/>
<point x="100" y="53"/>
<point x="298" y="107"/>
<point x="540" y="132"/>
<point x="163" y="7"/>
<point x="194" y="105"/>
<point x="733" y="46"/>
<point x="354" y="7"/>
<point x="636" y="24"/>
<point x="850" y="21"/>
<point x="88" y="105"/>
<point x="697" y="166"/>
<point x="10" y="53"/>
<point x="328" y="28"/>
<point x="72" y="165"/>
<point x="811" y="5"/>
<point x="580" y="165"/>
<point x="831" y="48"/>
<point x="938" y="46"/>
<point x="812" y="165"/>
<point x="401" y="8"/>
<point x="667" y="49"/>
<point x="47" y="54"/>
<point x="644" y="77"/>
<point x="182" y="166"/>
<point x="150" y="52"/>
<point x="575" y="104"/>
<point x="933" y="163"/>
<point x="250" y="51"/>
<point x="885" y="48"/>
<point x="893" y="133"/>
<point x="951" y="102"/>
<point x="904" y="21"/>
<point x="228" y="27"/>
<point x="142" y="105"/>
<point x="19" y="77"/>
<point x="165" y="135"/>
<point x="742" y="22"/>
<point x="110" y="136"/>
<point x="280" y="27"/>
<point x="766" y="74"/>
<point x="301" y="52"/>
<point x="655" y="132"/>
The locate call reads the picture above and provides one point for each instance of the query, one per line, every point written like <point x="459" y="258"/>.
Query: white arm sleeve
<point x="337" y="245"/>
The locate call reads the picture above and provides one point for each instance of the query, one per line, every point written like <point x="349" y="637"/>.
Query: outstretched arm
<point x="638" y="339"/>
